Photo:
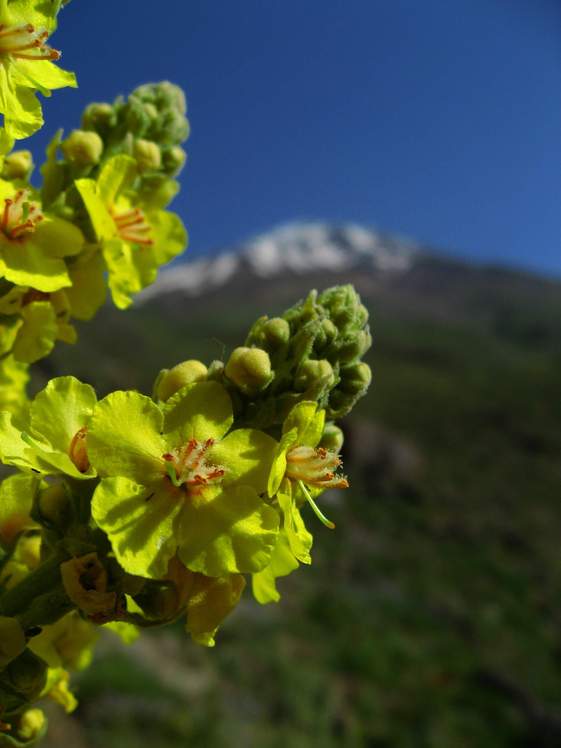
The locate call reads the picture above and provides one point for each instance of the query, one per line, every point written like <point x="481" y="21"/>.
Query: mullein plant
<point x="137" y="510"/>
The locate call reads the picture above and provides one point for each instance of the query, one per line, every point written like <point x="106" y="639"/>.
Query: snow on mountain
<point x="295" y="248"/>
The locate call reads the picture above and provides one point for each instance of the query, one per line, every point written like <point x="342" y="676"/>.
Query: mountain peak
<point x="296" y="248"/>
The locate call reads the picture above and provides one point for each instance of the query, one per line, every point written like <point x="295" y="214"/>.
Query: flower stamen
<point x="315" y="467"/>
<point x="20" y="216"/>
<point x="133" y="227"/>
<point x="26" y="43"/>
<point x="77" y="450"/>
<point x="187" y="466"/>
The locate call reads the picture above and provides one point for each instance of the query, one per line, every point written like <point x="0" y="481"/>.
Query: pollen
<point x="26" y="43"/>
<point x="315" y="467"/>
<point x="188" y="466"/>
<point x="20" y="216"/>
<point x="133" y="227"/>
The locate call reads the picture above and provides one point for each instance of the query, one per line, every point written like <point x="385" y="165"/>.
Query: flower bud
<point x="314" y="374"/>
<point x="55" y="507"/>
<point x="32" y="725"/>
<point x="170" y="381"/>
<point x="216" y="371"/>
<point x="174" y="160"/>
<point x="332" y="438"/>
<point x="26" y="675"/>
<point x="98" y="117"/>
<point x="83" y="147"/>
<point x="249" y="369"/>
<point x="159" y="600"/>
<point x="17" y="165"/>
<point x="351" y="347"/>
<point x="147" y="154"/>
<point x="276" y="332"/>
<point x="324" y="334"/>
<point x="12" y="640"/>
<point x="356" y="378"/>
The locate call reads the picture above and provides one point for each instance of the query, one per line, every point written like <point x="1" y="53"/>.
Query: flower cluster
<point x="94" y="223"/>
<point x="132" y="511"/>
<point x="135" y="511"/>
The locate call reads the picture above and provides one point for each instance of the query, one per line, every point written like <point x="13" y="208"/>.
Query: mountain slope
<point x="430" y="617"/>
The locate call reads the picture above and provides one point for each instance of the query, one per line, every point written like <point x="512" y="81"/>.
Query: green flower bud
<point x="174" y="160"/>
<point x="26" y="675"/>
<point x="159" y="600"/>
<point x="276" y="332"/>
<point x="17" y="165"/>
<point x="216" y="371"/>
<point x="316" y="375"/>
<point x="332" y="438"/>
<point x="99" y="117"/>
<point x="249" y="369"/>
<point x="169" y="381"/>
<point x="355" y="379"/>
<point x="147" y="155"/>
<point x="329" y="329"/>
<point x="54" y="507"/>
<point x="339" y="404"/>
<point x="351" y="347"/>
<point x="31" y="726"/>
<point x="12" y="640"/>
<point x="150" y="111"/>
<point x="157" y="189"/>
<point x="83" y="147"/>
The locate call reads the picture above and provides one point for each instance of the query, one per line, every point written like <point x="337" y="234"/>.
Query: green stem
<point x="43" y="580"/>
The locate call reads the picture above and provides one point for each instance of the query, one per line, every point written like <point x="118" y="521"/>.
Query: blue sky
<point x="440" y="119"/>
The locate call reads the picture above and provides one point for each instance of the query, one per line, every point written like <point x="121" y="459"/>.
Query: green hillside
<point x="431" y="617"/>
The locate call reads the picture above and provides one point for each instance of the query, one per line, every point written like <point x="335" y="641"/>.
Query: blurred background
<point x="414" y="150"/>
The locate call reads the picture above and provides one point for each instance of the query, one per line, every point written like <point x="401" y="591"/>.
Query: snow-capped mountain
<point x="296" y="248"/>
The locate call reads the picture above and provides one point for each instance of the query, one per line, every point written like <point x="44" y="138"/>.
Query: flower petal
<point x="115" y="176"/>
<point x="299" y="539"/>
<point x="198" y="411"/>
<point x="233" y="532"/>
<point x="211" y="600"/>
<point x="247" y="456"/>
<point x="124" y="438"/>
<point x="20" y="106"/>
<point x="38" y="333"/>
<point x="59" y="411"/>
<point x="28" y="264"/>
<point x="141" y="525"/>
<point x="87" y="293"/>
<point x="282" y="564"/>
<point x="102" y="223"/>
<point x="278" y="467"/>
<point x="58" y="238"/>
<point x="309" y="422"/>
<point x="42" y="75"/>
